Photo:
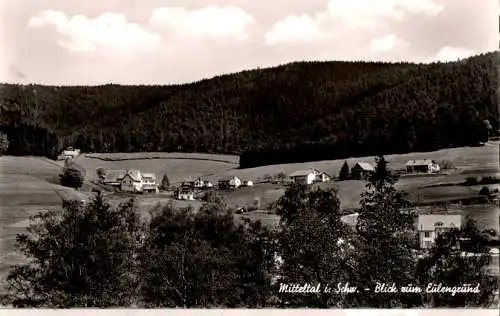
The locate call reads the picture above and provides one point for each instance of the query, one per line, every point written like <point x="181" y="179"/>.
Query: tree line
<point x="294" y="112"/>
<point x="96" y="255"/>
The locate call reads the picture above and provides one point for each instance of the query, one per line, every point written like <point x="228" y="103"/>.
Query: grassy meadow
<point x="178" y="166"/>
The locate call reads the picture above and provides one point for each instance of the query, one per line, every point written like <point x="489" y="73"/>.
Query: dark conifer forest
<point x="296" y="112"/>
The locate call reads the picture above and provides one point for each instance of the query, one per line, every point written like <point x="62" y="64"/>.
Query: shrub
<point x="213" y="197"/>
<point x="101" y="173"/>
<point x="165" y="183"/>
<point x="471" y="181"/>
<point x="72" y="178"/>
<point x="485" y="191"/>
<point x="489" y="180"/>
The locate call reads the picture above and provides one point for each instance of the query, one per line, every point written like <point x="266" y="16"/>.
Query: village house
<point x="248" y="183"/>
<point x="197" y="183"/>
<point x="131" y="180"/>
<point x="231" y="182"/>
<point x="361" y="170"/>
<point x="208" y="184"/>
<point x="68" y="153"/>
<point x="323" y="177"/>
<point x="113" y="177"/>
<point x="422" y="166"/>
<point x="308" y="176"/>
<point x="184" y="192"/>
<point x="429" y="227"/>
<point x="149" y="183"/>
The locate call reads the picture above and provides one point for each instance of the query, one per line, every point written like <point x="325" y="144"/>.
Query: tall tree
<point x="80" y="257"/>
<point x="4" y="143"/>
<point x="165" y="182"/>
<point x="385" y="253"/>
<point x="344" y="172"/>
<point x="314" y="246"/>
<point x="72" y="178"/>
<point x="101" y="173"/>
<point x="205" y="260"/>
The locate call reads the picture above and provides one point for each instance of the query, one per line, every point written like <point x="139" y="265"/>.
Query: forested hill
<point x="295" y="112"/>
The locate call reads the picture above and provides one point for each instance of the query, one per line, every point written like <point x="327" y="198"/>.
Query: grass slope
<point x="26" y="187"/>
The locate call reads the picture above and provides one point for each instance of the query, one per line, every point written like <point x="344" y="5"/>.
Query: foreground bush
<point x="205" y="260"/>
<point x="80" y="257"/>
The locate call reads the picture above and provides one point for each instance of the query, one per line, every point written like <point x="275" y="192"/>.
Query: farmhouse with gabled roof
<point x="229" y="182"/>
<point x="131" y="180"/>
<point x="422" y="166"/>
<point x="361" y="170"/>
<point x="306" y="176"/>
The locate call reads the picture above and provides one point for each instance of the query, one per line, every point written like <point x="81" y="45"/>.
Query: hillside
<point x="296" y="112"/>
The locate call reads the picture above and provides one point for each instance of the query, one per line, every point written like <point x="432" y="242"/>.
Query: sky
<point x="62" y="42"/>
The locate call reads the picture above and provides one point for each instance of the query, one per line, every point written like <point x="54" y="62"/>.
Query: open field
<point x="464" y="158"/>
<point x="232" y="159"/>
<point x="26" y="188"/>
<point x="177" y="166"/>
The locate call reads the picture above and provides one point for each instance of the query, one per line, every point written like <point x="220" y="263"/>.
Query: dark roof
<point x="114" y="175"/>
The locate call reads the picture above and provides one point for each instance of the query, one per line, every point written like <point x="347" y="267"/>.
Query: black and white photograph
<point x="237" y="154"/>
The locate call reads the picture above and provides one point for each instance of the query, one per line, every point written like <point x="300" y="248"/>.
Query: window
<point x="427" y="234"/>
<point x="438" y="224"/>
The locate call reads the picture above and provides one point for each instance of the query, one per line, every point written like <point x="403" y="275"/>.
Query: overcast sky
<point x="92" y="42"/>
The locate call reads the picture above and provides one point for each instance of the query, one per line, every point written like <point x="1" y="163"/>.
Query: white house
<point x="184" y="193"/>
<point x="323" y="177"/>
<point x="248" y="183"/>
<point x="305" y="176"/>
<point x="429" y="227"/>
<point x="422" y="166"/>
<point x="199" y="183"/>
<point x="350" y="219"/>
<point x="230" y="182"/>
<point x="149" y="183"/>
<point x="208" y="184"/>
<point x="69" y="153"/>
<point x="132" y="181"/>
